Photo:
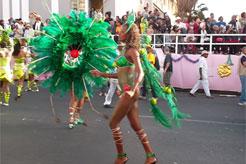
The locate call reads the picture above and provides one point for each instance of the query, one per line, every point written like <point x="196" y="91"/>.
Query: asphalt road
<point x="214" y="135"/>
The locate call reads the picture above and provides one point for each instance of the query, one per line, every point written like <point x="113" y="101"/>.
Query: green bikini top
<point x="122" y="62"/>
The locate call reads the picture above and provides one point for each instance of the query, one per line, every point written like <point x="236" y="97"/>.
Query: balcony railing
<point x="177" y="40"/>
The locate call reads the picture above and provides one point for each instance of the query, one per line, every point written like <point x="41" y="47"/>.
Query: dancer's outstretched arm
<point x="105" y="75"/>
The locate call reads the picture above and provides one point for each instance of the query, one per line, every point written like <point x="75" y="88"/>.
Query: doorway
<point x="96" y="4"/>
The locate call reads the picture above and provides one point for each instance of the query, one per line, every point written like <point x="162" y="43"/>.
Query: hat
<point x="148" y="46"/>
<point x="178" y="18"/>
<point x="166" y="49"/>
<point x="38" y="17"/>
<point x="28" y="25"/>
<point x="204" y="52"/>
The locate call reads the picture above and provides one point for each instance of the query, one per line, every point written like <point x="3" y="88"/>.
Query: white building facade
<point x="22" y="8"/>
<point x="119" y="7"/>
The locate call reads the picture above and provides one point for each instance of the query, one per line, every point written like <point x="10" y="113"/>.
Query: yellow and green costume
<point x="19" y="72"/>
<point x="19" y="68"/>
<point x="5" y="71"/>
<point x="5" y="75"/>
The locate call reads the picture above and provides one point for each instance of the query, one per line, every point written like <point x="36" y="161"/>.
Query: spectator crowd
<point x="157" y="22"/>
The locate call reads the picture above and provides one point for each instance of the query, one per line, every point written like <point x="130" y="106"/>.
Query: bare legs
<point x="75" y="106"/>
<point x="4" y="92"/>
<point x="120" y="112"/>
<point x="19" y="87"/>
<point x="128" y="106"/>
<point x="133" y="117"/>
<point x="31" y="83"/>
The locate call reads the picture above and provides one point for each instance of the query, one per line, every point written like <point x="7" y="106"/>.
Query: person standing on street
<point x="203" y="72"/>
<point x="167" y="67"/>
<point x="242" y="75"/>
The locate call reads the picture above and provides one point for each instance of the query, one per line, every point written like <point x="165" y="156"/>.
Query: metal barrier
<point x="165" y="40"/>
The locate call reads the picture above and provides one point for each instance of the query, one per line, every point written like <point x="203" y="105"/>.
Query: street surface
<point x="216" y="133"/>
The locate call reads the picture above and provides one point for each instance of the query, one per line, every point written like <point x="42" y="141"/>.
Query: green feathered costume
<point x="69" y="48"/>
<point x="152" y="80"/>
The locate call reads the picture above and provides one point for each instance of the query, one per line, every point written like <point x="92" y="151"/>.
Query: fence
<point x="176" y="40"/>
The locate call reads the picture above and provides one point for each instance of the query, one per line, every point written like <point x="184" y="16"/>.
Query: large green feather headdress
<point x="69" y="48"/>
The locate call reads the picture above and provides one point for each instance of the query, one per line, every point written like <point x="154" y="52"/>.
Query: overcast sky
<point x="225" y="8"/>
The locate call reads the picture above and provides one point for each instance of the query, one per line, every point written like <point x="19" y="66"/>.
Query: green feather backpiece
<point x="69" y="48"/>
<point x="152" y="81"/>
<point x="160" y="116"/>
<point x="145" y="40"/>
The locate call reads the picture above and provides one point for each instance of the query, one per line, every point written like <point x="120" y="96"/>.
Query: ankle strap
<point x="78" y="109"/>
<point x="115" y="129"/>
<point x="71" y="110"/>
<point x="117" y="135"/>
<point x="150" y="155"/>
<point x="122" y="155"/>
<point x="142" y="136"/>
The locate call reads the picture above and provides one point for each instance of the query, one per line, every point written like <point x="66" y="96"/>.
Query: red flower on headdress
<point x="74" y="53"/>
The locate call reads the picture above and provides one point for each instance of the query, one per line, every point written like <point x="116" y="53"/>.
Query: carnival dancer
<point x="68" y="49"/>
<point x="19" y="56"/>
<point x="131" y="69"/>
<point x="6" y="50"/>
<point x="130" y="76"/>
<point x="75" y="104"/>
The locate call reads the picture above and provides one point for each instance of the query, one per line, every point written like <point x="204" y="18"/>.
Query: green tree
<point x="185" y="7"/>
<point x="198" y="11"/>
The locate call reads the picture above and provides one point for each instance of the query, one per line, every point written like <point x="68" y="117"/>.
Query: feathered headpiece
<point x="130" y="20"/>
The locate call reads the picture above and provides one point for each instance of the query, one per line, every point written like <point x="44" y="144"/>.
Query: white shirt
<point x="18" y="30"/>
<point x="145" y="14"/>
<point x="181" y="25"/>
<point x="38" y="26"/>
<point x="204" y="36"/>
<point x="203" y="64"/>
